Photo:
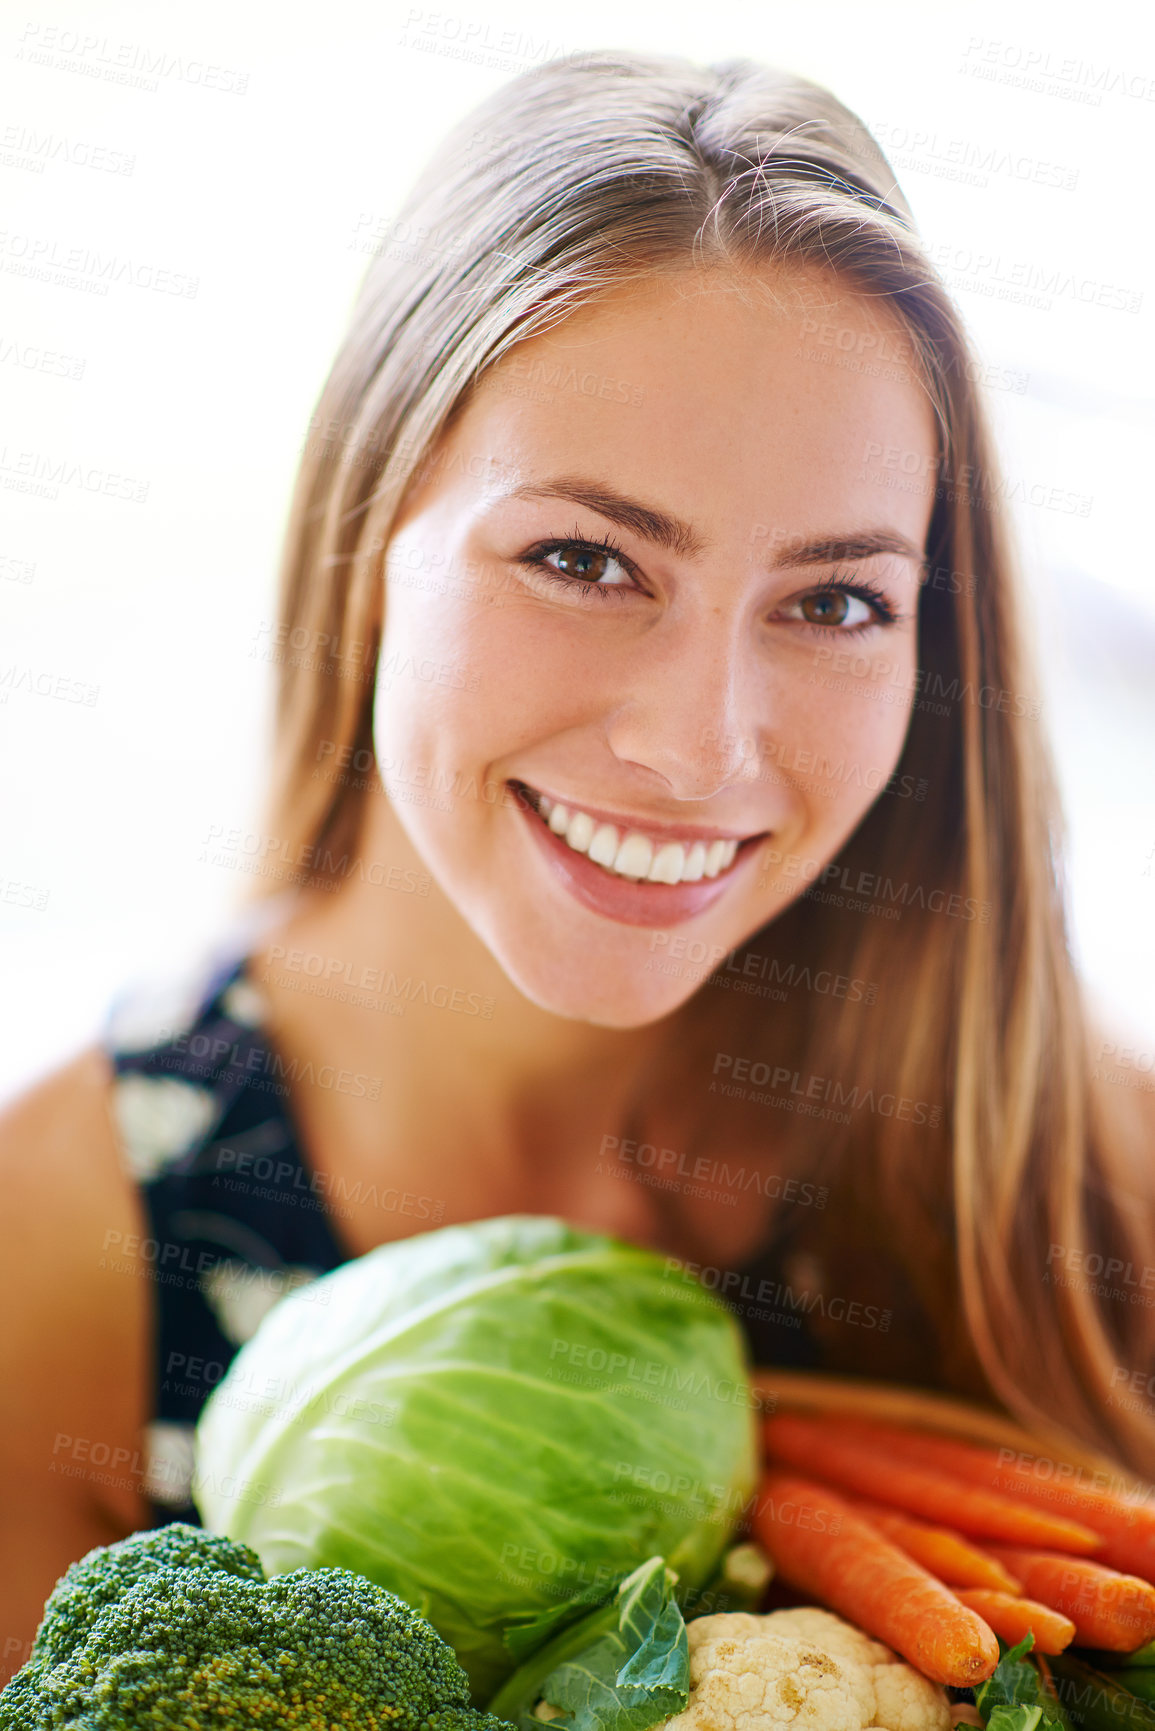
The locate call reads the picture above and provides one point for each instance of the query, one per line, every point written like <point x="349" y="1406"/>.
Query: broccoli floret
<point x="105" y="1575"/>
<point x="200" y="1641"/>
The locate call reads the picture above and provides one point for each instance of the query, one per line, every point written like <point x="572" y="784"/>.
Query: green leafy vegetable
<point x="739" y="1584"/>
<point x="1143" y="1658"/>
<point x="623" y="1668"/>
<point x="497" y="1422"/>
<point x="1014" y="1681"/>
<point x="1098" y="1702"/>
<point x="1015" y="1697"/>
<point x="521" y="1640"/>
<point x="1015" y="1719"/>
<point x="1054" y="1713"/>
<point x="1140" y="1682"/>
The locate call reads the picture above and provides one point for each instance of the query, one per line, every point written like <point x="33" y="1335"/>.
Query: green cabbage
<point x="498" y="1422"/>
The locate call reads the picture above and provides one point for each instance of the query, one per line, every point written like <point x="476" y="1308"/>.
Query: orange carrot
<point x="1125" y="1524"/>
<point x="1109" y="1610"/>
<point x="817" y="1447"/>
<point x="821" y="1547"/>
<point x="1013" y="1617"/>
<point x="947" y="1555"/>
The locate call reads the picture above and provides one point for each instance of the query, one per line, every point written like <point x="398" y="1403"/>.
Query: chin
<point x="611" y="994"/>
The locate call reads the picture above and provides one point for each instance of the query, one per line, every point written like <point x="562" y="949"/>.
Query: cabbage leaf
<point x="623" y="1668"/>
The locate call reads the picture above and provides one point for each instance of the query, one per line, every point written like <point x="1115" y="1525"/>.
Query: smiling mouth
<point x="626" y="852"/>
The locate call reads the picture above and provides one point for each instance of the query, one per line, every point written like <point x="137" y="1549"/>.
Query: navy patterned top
<point x="235" y="1217"/>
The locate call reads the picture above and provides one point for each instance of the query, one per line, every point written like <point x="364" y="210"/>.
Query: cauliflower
<point x="805" y="1669"/>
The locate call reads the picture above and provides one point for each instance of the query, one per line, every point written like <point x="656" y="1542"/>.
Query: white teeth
<point x="695" y="863"/>
<point x="715" y="858"/>
<point x="580" y="831"/>
<point x="669" y="864"/>
<point x="633" y="855"/>
<point x="603" y="849"/>
<point x="633" y="858"/>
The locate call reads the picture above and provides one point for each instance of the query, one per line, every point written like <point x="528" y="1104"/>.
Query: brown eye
<point x="588" y="564"/>
<point x="585" y="565"/>
<point x="825" y="607"/>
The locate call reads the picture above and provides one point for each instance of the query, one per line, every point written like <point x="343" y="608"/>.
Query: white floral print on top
<point x="160" y="1118"/>
<point x="241" y="1296"/>
<point x="157" y="1011"/>
<point x="245" y="1003"/>
<point x="169" y="1459"/>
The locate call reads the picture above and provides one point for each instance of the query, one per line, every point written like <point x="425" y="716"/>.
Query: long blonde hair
<point x="567" y="181"/>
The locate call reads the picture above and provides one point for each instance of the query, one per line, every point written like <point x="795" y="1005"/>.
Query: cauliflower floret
<point x="802" y="1668"/>
<point x="760" y="1680"/>
<point x="808" y="1623"/>
<point x="905" y="1700"/>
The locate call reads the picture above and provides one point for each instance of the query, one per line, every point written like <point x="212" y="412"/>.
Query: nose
<point x="694" y="706"/>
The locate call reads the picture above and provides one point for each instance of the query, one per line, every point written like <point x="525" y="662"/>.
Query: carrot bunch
<point x="936" y="1547"/>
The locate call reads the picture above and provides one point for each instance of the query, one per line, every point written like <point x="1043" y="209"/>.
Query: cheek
<point x="851" y="715"/>
<point x="424" y="675"/>
<point x="460" y="679"/>
<point x="426" y="618"/>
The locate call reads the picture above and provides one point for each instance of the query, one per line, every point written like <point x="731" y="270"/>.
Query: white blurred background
<point x="230" y="150"/>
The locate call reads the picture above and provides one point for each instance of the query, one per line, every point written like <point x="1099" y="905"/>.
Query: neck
<point x="463" y="1057"/>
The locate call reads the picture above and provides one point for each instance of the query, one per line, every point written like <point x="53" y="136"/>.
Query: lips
<point x="637" y="896"/>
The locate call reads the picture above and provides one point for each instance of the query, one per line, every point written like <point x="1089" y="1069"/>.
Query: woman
<point x="661" y="828"/>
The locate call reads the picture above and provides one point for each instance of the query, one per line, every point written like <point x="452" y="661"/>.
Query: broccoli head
<point x="179" y="1630"/>
<point x="105" y="1575"/>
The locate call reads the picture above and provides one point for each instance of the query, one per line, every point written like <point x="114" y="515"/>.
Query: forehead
<point x="748" y="305"/>
<point x="778" y="394"/>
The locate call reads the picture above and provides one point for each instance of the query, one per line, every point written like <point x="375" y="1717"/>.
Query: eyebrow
<point x="678" y="536"/>
<point x="644" y="520"/>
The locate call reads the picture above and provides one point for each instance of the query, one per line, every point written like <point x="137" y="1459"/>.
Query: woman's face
<point x="659" y="604"/>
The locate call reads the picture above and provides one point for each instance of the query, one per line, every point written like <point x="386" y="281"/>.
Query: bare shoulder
<point x="73" y="1359"/>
